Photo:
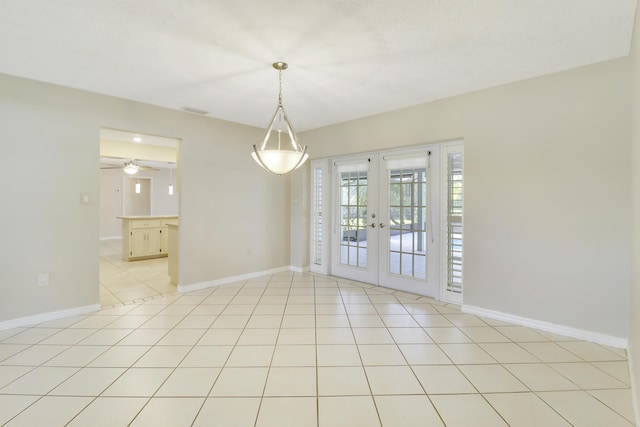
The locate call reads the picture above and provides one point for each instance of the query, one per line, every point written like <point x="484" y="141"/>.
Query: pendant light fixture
<point x="170" y="182"/>
<point x="280" y="152"/>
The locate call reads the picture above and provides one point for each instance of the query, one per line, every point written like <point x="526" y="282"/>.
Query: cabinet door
<point x="164" y="231"/>
<point x="137" y="243"/>
<point x="154" y="240"/>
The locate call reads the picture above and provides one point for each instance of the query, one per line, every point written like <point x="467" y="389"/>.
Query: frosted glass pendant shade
<point x="280" y="152"/>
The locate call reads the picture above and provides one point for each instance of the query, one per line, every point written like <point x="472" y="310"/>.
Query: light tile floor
<point x="304" y="350"/>
<point x="122" y="282"/>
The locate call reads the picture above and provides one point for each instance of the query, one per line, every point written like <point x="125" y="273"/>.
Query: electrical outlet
<point x="43" y="279"/>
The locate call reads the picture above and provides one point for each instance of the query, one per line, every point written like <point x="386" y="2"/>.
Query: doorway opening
<point x="151" y="193"/>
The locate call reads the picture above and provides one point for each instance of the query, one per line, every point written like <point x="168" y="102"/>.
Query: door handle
<point x="373" y="225"/>
<point x="381" y="225"/>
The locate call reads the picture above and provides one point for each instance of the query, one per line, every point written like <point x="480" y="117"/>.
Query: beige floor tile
<point x="196" y="322"/>
<point x="587" y="376"/>
<point x="381" y="354"/>
<point x="189" y="382"/>
<point x="78" y="356"/>
<point x="366" y="321"/>
<point x="521" y="334"/>
<point x="119" y="356"/>
<point x="163" y="357"/>
<point x="392" y="380"/>
<point x="33" y="335"/>
<point x="465" y="320"/>
<point x="332" y="321"/>
<point x="399" y="321"/>
<point x="258" y="337"/>
<point x="424" y="354"/>
<point x="419" y="308"/>
<point x="251" y="355"/>
<point x="88" y="382"/>
<point x="177" y="310"/>
<point x="582" y="409"/>
<point x="106" y="337"/>
<point x="432" y="320"/>
<point x="182" y="337"/>
<point x="372" y="336"/>
<point x="209" y="356"/>
<point x="298" y="321"/>
<point x="447" y="335"/>
<point x="591" y="352"/>
<point x="264" y="321"/>
<point x="467" y="354"/>
<point x="8" y="350"/>
<point x="291" y="381"/>
<point x="443" y="380"/>
<point x="109" y="412"/>
<point x="11" y="373"/>
<point x="239" y="309"/>
<point x="390" y="308"/>
<point x="407" y="411"/>
<point x="220" y="337"/>
<point x="287" y="412"/>
<point x="50" y="411"/>
<point x="294" y="355"/>
<point x="336" y="336"/>
<point x="483" y="334"/>
<point x="39" y="381"/>
<point x="549" y="352"/>
<point x="410" y="336"/>
<point x="69" y="336"/>
<point x="349" y="411"/>
<point x="620" y="401"/>
<point x="300" y="309"/>
<point x="477" y="412"/>
<point x="526" y="410"/>
<point x="509" y="353"/>
<point x="228" y="412"/>
<point x="144" y="337"/>
<point x="12" y="405"/>
<point x="619" y="370"/>
<point x="492" y="378"/>
<point x="226" y="322"/>
<point x="240" y="382"/>
<point x="342" y="381"/>
<point x="338" y="355"/>
<point x="128" y="322"/>
<point x="169" y="412"/>
<point x="540" y="377"/>
<point x="138" y="382"/>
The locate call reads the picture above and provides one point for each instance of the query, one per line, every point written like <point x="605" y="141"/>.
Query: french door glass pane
<point x="353" y="218"/>
<point x="407" y="222"/>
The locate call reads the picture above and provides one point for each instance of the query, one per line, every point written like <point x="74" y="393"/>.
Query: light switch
<point x="84" y="199"/>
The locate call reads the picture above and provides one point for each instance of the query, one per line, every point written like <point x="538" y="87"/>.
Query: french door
<point x="395" y="222"/>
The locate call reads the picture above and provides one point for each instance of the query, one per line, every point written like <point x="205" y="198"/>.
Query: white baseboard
<point x="567" y="331"/>
<point x="300" y="270"/>
<point x="226" y="280"/>
<point x="111" y="238"/>
<point x="47" y="317"/>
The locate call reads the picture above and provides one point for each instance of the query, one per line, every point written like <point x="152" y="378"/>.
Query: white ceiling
<point x="348" y="58"/>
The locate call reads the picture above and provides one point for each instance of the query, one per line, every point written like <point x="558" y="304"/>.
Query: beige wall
<point x="547" y="184"/>
<point x="234" y="216"/>
<point x="634" y="322"/>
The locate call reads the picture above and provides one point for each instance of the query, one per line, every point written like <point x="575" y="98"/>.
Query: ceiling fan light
<point x="131" y="168"/>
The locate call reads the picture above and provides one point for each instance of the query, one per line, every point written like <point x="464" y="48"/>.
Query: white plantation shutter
<point x="454" y="223"/>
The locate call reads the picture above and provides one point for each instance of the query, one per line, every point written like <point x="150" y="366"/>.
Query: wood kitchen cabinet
<point x="145" y="236"/>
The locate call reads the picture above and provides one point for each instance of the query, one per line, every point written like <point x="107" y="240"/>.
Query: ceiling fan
<point x="130" y="167"/>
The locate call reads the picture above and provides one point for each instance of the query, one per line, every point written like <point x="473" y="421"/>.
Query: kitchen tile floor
<point x="303" y="350"/>
<point x="123" y="282"/>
